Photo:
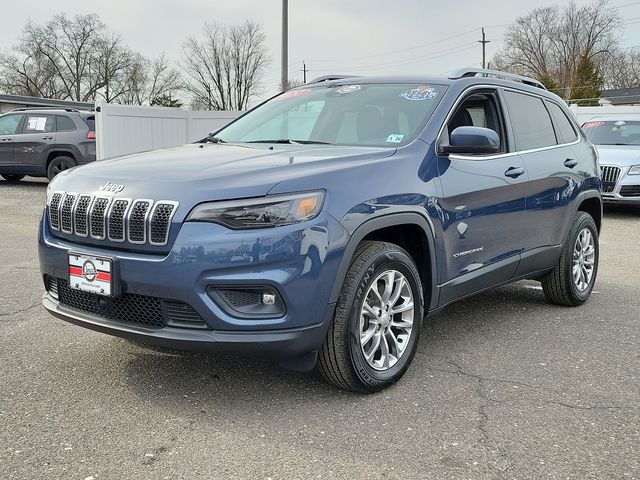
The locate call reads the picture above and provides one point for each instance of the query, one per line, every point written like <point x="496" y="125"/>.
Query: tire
<point x="560" y="286"/>
<point x="59" y="164"/>
<point x="12" y="177"/>
<point x="342" y="360"/>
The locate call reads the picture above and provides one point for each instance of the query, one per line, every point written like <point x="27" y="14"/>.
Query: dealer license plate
<point x="91" y="274"/>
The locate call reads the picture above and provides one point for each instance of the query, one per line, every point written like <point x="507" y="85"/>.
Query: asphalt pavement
<point x="504" y="386"/>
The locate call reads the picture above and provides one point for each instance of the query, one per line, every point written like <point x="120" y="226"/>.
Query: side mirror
<point x="472" y="141"/>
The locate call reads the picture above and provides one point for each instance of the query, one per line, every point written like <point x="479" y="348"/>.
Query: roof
<point x="44" y="102"/>
<point x="621" y="96"/>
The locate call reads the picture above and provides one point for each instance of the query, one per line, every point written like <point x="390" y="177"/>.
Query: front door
<point x="32" y="145"/>
<point x="483" y="205"/>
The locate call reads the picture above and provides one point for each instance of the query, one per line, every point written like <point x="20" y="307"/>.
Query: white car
<point x="618" y="142"/>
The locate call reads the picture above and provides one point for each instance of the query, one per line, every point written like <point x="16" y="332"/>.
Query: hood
<point x="620" y="155"/>
<point x="200" y="172"/>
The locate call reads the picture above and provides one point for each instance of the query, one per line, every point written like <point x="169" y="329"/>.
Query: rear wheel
<point x="12" y="177"/>
<point x="571" y="282"/>
<point x="59" y="164"/>
<point x="374" y="334"/>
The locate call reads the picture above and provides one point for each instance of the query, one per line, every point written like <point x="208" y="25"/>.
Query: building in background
<point x="620" y="96"/>
<point x="11" y="102"/>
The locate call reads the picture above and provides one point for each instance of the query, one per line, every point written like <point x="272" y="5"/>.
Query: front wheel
<point x="572" y="280"/>
<point x="375" y="331"/>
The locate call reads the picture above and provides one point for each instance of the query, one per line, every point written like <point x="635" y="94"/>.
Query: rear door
<point x="483" y="204"/>
<point x="34" y="142"/>
<point x="9" y="125"/>
<point x="553" y="174"/>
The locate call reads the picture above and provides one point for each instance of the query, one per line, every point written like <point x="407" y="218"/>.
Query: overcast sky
<point x="333" y="36"/>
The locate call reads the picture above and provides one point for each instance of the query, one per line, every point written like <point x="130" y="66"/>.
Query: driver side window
<point x="9" y="124"/>
<point x="478" y="110"/>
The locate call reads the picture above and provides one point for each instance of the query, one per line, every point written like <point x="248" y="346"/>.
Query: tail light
<point x="91" y="135"/>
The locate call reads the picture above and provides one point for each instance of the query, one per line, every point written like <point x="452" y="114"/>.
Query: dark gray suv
<point x="43" y="142"/>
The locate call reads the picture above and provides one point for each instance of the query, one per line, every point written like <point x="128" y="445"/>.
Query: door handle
<point x="6" y="139"/>
<point x="47" y="138"/>
<point x="514" y="172"/>
<point x="570" y="162"/>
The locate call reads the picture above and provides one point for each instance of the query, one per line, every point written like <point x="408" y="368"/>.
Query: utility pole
<point x="484" y="42"/>
<point x="304" y="72"/>
<point x="284" y="74"/>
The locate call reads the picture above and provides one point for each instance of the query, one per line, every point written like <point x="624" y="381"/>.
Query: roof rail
<point x="485" y="72"/>
<point x="328" y="78"/>
<point x="27" y="109"/>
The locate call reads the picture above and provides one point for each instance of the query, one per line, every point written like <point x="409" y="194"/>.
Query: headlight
<point x="263" y="212"/>
<point x="635" y="170"/>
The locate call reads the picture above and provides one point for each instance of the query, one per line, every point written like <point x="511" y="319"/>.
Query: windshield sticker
<point x="348" y="89"/>
<point x="395" y="138"/>
<point x="620" y="123"/>
<point x="293" y="93"/>
<point x="423" y="92"/>
<point x="592" y="124"/>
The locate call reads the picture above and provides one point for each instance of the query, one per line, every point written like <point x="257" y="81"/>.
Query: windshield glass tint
<point x="359" y="114"/>
<point x="619" y="132"/>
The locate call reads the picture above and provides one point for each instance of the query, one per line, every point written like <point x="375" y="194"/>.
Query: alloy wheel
<point x="584" y="256"/>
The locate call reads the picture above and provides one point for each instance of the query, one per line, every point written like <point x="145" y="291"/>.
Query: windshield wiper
<point x="211" y="139"/>
<point x="291" y="142"/>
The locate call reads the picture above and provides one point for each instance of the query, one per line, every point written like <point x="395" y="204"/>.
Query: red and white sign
<point x="90" y="274"/>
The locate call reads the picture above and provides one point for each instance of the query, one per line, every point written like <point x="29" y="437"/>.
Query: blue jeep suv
<point x="322" y="226"/>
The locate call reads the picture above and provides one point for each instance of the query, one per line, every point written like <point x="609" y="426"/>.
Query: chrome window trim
<point x="71" y="213"/>
<point x="87" y="215"/>
<point x="145" y="221"/>
<point x="104" y="217"/>
<point x="499" y="155"/>
<point x="124" y="220"/>
<point x="62" y="193"/>
<point x="152" y="211"/>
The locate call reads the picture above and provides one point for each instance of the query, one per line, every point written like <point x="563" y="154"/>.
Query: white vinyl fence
<point x="126" y="129"/>
<point x="583" y="114"/>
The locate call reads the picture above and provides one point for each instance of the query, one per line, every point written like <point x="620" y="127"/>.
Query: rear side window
<point x="91" y="122"/>
<point x="532" y="127"/>
<point x="564" y="126"/>
<point x="64" y="124"/>
<point x="38" y="123"/>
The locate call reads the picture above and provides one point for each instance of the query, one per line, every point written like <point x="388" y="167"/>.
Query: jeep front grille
<point x="139" y="221"/>
<point x="609" y="178"/>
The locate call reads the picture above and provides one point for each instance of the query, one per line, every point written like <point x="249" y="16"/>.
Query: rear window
<point x="532" y="127"/>
<point x="619" y="132"/>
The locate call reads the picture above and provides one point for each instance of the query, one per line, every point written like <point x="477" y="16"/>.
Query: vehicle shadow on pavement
<point x="171" y="377"/>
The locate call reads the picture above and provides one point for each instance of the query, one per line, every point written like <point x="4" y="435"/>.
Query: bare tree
<point x="549" y="42"/>
<point x="150" y="79"/>
<point x="223" y="69"/>
<point x="621" y="69"/>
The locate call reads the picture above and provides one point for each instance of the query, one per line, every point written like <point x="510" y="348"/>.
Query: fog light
<point x="268" y="299"/>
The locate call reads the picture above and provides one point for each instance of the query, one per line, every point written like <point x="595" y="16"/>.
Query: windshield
<point x="357" y="114"/>
<point x="620" y="132"/>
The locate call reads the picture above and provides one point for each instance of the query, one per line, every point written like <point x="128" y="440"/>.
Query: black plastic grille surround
<point x="103" y="217"/>
<point x="137" y="221"/>
<point x="98" y="217"/>
<point x="116" y="219"/>
<point x="141" y="310"/>
<point x="54" y="211"/>
<point x="80" y="217"/>
<point x="159" y="223"/>
<point x="66" y="219"/>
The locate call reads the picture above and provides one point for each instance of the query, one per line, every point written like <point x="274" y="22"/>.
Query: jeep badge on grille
<point x="111" y="187"/>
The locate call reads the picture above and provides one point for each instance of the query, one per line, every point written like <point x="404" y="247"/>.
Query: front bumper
<point x="299" y="261"/>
